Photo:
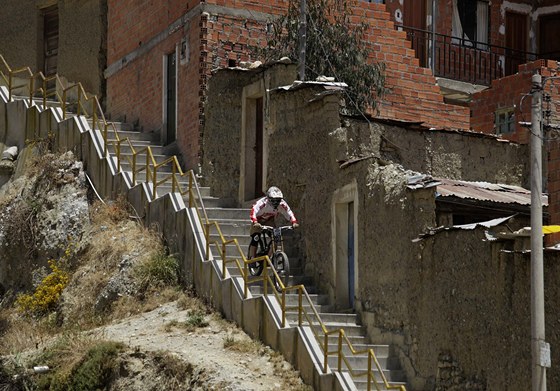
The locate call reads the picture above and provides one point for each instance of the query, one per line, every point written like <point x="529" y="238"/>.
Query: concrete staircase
<point x="235" y="223"/>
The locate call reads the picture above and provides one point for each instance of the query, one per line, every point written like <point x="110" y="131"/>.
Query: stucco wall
<point x="82" y="55"/>
<point x="453" y="307"/>
<point x="19" y="24"/>
<point x="466" y="156"/>
<point x="222" y="140"/>
<point x="81" y="41"/>
<point x="462" y="313"/>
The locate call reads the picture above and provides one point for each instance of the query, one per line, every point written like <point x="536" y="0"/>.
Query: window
<point x="470" y="23"/>
<point x="505" y="121"/>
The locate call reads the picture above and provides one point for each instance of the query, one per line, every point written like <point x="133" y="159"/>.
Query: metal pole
<point x="538" y="344"/>
<point x="302" y="39"/>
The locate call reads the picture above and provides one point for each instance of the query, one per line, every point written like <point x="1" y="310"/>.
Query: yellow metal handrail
<point x="195" y="201"/>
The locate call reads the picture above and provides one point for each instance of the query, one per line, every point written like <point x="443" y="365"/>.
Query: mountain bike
<point x="271" y="243"/>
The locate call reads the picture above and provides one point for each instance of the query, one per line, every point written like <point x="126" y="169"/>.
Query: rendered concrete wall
<point x="82" y="39"/>
<point x="466" y="156"/>
<point x="19" y="33"/>
<point x="434" y="303"/>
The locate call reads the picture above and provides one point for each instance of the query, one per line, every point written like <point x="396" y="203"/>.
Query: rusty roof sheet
<point x="484" y="191"/>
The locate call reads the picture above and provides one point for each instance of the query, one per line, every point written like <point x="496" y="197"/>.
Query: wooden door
<point x="414" y="17"/>
<point x="50" y="40"/>
<point x="259" y="133"/>
<point x="516" y="41"/>
<point x="171" y="98"/>
<point x="549" y="26"/>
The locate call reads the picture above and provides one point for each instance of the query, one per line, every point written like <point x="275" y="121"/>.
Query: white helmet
<point x="274" y="195"/>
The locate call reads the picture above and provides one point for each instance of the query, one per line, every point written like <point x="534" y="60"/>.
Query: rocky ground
<point x="121" y="288"/>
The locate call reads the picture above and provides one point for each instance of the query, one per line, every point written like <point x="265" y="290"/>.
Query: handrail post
<point x="79" y="102"/>
<point x="265" y="276"/>
<point x="64" y="104"/>
<point x="10" y="83"/>
<point x="340" y="335"/>
<point x="369" y="373"/>
<point x="326" y="361"/>
<point x="245" y="278"/>
<point x="134" y="169"/>
<point x="300" y="305"/>
<point x="31" y="87"/>
<point x="44" y="91"/>
<point x="207" y="240"/>
<point x="191" y="192"/>
<point x="224" y="262"/>
<point x="283" y="307"/>
<point x="154" y="191"/>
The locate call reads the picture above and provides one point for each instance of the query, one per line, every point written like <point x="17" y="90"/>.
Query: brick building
<point x="160" y="57"/>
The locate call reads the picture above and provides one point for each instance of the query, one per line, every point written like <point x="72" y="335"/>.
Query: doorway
<point x="516" y="41"/>
<point x="170" y="111"/>
<point x="549" y="26"/>
<point x="345" y="217"/>
<point x="414" y="17"/>
<point x="50" y="45"/>
<point x="254" y="146"/>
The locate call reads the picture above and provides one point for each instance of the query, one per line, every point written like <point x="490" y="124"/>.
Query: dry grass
<point x="18" y="334"/>
<point x="242" y="345"/>
<point x="112" y="240"/>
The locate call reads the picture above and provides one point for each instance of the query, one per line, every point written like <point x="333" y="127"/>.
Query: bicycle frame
<point x="271" y="240"/>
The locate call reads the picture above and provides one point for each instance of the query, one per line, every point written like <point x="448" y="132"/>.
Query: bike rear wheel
<point x="282" y="266"/>
<point x="255" y="268"/>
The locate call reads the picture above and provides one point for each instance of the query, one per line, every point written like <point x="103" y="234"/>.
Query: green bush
<point x="159" y="270"/>
<point x="97" y="368"/>
<point x="94" y="372"/>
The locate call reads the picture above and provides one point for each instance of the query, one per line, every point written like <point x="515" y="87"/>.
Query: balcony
<point x="464" y="61"/>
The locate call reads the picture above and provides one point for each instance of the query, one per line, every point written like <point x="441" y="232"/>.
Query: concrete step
<point x="330" y="318"/>
<point x="228" y="213"/>
<point x="126" y="132"/>
<point x="382" y="352"/>
<point x="361" y="384"/>
<point x="233" y="228"/>
<point x="349" y="329"/>
<point x="184" y="183"/>
<point x="139" y="147"/>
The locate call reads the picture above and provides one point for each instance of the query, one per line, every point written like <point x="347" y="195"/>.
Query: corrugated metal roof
<point x="484" y="191"/>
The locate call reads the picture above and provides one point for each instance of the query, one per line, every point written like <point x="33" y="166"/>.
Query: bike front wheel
<point x="255" y="268"/>
<point x="282" y="266"/>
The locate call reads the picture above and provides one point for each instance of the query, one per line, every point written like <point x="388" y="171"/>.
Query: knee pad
<point x="255" y="239"/>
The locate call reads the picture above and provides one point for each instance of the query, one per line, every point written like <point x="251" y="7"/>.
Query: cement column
<point x="537" y="273"/>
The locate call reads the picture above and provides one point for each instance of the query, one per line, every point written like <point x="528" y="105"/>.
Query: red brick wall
<point x="507" y="92"/>
<point x="414" y="94"/>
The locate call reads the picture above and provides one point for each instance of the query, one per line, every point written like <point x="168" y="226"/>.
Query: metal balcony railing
<point x="463" y="60"/>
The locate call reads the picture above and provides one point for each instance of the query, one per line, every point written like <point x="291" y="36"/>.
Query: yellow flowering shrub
<point x="47" y="294"/>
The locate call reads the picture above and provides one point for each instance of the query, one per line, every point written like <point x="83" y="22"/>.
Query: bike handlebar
<point x="282" y="227"/>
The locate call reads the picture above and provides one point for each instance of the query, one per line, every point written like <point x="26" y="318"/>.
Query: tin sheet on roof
<point x="484" y="191"/>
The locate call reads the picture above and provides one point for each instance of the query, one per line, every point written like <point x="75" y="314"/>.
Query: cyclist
<point x="265" y="211"/>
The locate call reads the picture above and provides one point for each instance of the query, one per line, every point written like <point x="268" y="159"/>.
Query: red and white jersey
<point x="263" y="211"/>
